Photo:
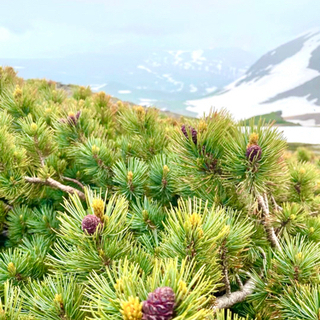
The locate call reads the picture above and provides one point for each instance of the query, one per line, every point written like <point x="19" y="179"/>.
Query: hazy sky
<point x="43" y="28"/>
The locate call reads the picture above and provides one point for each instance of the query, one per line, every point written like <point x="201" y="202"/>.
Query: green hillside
<point x="269" y="117"/>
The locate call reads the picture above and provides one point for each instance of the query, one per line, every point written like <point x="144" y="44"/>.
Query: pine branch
<point x="74" y="181"/>
<point x="225" y="270"/>
<point x="36" y="142"/>
<point x="227" y="301"/>
<point x="56" y="185"/>
<point x="239" y="282"/>
<point x="314" y="213"/>
<point x="271" y="235"/>
<point x="276" y="206"/>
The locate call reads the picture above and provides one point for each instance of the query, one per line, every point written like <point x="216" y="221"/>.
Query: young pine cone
<point x="192" y="131"/>
<point x="254" y="152"/>
<point x="159" y="305"/>
<point x="90" y="223"/>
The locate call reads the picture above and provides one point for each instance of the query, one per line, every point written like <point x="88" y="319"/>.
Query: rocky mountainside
<point x="285" y="79"/>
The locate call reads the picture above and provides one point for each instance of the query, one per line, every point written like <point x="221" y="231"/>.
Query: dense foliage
<point x="113" y="211"/>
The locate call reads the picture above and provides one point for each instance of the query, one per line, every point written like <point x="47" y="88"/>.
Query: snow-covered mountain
<point x="285" y="79"/>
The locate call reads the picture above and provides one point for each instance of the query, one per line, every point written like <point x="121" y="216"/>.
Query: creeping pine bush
<point x="115" y="211"/>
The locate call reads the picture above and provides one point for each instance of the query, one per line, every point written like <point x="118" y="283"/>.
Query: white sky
<point x="46" y="28"/>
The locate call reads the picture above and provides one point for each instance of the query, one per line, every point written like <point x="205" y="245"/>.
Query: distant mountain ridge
<point x="144" y="77"/>
<point x="285" y="79"/>
<point x="201" y="71"/>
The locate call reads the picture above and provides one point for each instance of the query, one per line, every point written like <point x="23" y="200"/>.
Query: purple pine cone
<point x="183" y="129"/>
<point x="73" y="118"/>
<point x="192" y="131"/>
<point x="159" y="305"/>
<point x="254" y="152"/>
<point x="90" y="223"/>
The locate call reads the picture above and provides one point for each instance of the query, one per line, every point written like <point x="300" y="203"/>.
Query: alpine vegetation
<point x="118" y="212"/>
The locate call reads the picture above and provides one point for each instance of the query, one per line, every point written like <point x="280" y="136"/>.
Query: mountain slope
<point x="286" y="79"/>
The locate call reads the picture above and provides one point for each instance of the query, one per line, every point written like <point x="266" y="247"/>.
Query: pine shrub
<point x="113" y="211"/>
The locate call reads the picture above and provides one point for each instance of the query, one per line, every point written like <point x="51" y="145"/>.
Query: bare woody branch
<point x="56" y="185"/>
<point x="271" y="235"/>
<point x="225" y="269"/>
<point x="74" y="181"/>
<point x="228" y="301"/>
<point x="276" y="206"/>
<point x="239" y="282"/>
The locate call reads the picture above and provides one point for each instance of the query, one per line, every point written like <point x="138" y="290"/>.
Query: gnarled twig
<point x="225" y="269"/>
<point x="239" y="282"/>
<point x="276" y="206"/>
<point x="74" y="181"/>
<point x="56" y="185"/>
<point x="271" y="235"/>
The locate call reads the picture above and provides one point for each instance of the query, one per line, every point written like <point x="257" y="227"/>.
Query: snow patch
<point x="176" y="55"/>
<point x="197" y="57"/>
<point x="144" y="68"/>
<point x="146" y="102"/>
<point x="156" y="64"/>
<point x="302" y="134"/>
<point x="124" y="91"/>
<point x="18" y="67"/>
<point x="175" y="82"/>
<point x="193" y="88"/>
<point x="212" y="89"/>
<point x="97" y="87"/>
